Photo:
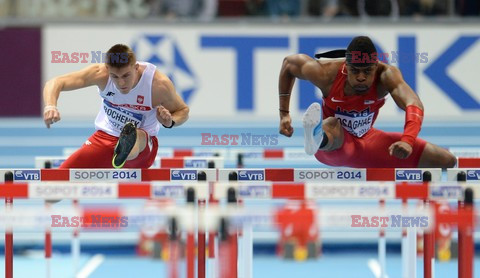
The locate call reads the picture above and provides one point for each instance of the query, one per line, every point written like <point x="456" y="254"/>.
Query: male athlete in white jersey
<point x="136" y="99"/>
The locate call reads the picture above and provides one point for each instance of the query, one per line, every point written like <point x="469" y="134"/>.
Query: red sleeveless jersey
<point x="357" y="113"/>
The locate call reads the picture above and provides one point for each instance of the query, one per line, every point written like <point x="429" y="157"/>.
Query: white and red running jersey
<point x="135" y="106"/>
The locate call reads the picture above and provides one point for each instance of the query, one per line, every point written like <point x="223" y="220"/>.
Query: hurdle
<point x="464" y="174"/>
<point x="108" y="175"/>
<point x="165" y="163"/>
<point x="314" y="191"/>
<point x="190" y="162"/>
<point x="465" y="152"/>
<point x="90" y="175"/>
<point x="301" y="175"/>
<point x="402" y="191"/>
<point x="289" y="174"/>
<point x="181" y="161"/>
<point x="239" y="156"/>
<point x="159" y="162"/>
<point x="330" y="174"/>
<point x="8" y="178"/>
<point x="54" y="161"/>
<point x="297" y="156"/>
<point x="231" y="154"/>
<point x="468" y="162"/>
<point x="467" y="157"/>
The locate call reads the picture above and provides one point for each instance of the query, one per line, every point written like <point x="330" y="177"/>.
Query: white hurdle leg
<point x="75" y="245"/>
<point x="382" y="248"/>
<point x="213" y="269"/>
<point x="382" y="255"/>
<point x="241" y="253"/>
<point x="412" y="252"/>
<point x="48" y="246"/>
<point x="212" y="266"/>
<point x="405" y="253"/>
<point x="247" y="251"/>
<point x="404" y="248"/>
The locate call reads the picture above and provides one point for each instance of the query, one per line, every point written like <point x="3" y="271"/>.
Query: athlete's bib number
<point x="358" y="124"/>
<point x="119" y="116"/>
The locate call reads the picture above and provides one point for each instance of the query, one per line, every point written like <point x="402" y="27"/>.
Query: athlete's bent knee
<point x="333" y="130"/>
<point x="446" y="160"/>
<point x="330" y="123"/>
<point x="450" y="161"/>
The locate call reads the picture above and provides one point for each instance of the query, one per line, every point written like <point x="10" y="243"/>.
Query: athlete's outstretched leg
<point x="131" y="142"/>
<point x="140" y="144"/>
<point x="434" y="156"/>
<point x="325" y="136"/>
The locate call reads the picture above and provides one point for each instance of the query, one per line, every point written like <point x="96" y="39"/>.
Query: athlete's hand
<point x="164" y="116"/>
<point x="400" y="150"/>
<point x="286" y="125"/>
<point x="50" y="115"/>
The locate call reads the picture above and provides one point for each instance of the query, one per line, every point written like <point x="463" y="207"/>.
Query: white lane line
<point x="374" y="266"/>
<point x="91" y="265"/>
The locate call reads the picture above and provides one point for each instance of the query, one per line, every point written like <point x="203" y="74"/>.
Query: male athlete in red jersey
<point x="354" y="89"/>
<point x="136" y="99"/>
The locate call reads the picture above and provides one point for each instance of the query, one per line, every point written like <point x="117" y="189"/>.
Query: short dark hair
<point x="361" y="47"/>
<point x="119" y="56"/>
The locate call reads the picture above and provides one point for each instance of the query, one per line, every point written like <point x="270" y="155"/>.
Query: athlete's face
<point x="124" y="77"/>
<point x="361" y="78"/>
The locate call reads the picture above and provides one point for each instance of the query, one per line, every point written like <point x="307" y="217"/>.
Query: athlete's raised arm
<point x="171" y="109"/>
<point x="407" y="100"/>
<point x="92" y="75"/>
<point x="297" y="66"/>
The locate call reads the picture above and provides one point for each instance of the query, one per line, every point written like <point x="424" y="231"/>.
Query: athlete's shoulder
<point x="324" y="70"/>
<point x="96" y="74"/>
<point x="98" y="71"/>
<point x="144" y="64"/>
<point x="160" y="77"/>
<point x="388" y="74"/>
<point x="161" y="84"/>
<point x="332" y="66"/>
<point x="307" y="61"/>
<point x="98" y="68"/>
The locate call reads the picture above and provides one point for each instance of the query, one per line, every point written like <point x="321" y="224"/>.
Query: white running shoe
<point x="312" y="126"/>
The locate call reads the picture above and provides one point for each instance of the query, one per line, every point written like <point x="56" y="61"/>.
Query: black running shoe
<point x="125" y="144"/>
